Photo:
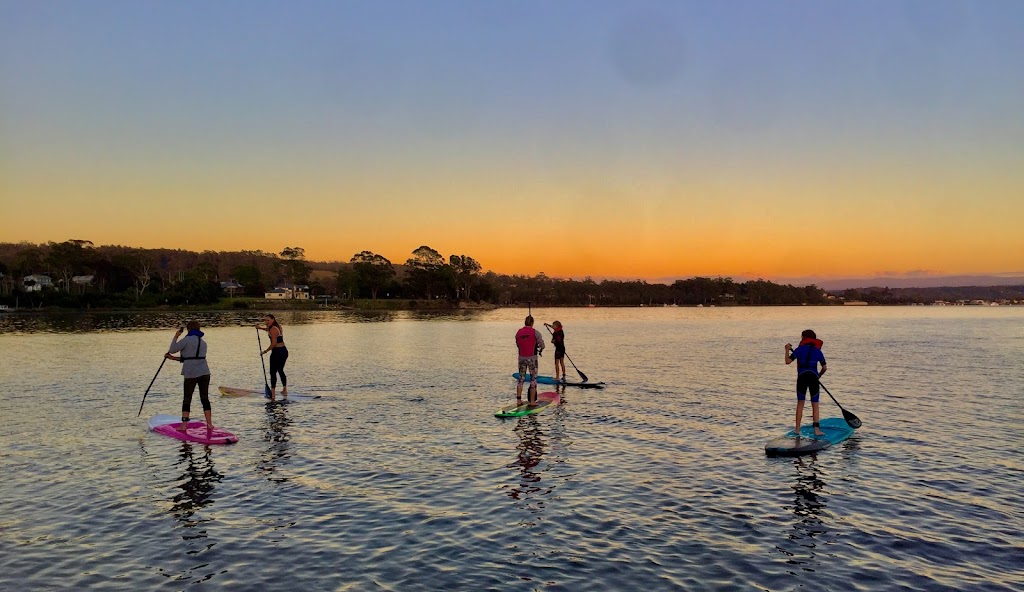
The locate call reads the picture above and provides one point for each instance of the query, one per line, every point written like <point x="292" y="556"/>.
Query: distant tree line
<point x="952" y="294"/>
<point x="85" y="275"/>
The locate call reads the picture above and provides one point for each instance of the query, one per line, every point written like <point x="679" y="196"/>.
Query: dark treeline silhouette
<point x="542" y="290"/>
<point x="84" y="275"/>
<point x="951" y="294"/>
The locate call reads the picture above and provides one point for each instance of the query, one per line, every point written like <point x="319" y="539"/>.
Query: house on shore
<point x="231" y="287"/>
<point x="288" y="293"/>
<point x="36" y="282"/>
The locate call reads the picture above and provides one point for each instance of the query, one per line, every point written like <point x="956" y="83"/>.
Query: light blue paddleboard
<point x="836" y="430"/>
<point x="551" y="380"/>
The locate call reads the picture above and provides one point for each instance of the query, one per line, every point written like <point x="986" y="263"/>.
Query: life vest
<point x="526" y="340"/>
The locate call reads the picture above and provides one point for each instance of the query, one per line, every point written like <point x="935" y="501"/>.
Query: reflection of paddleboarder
<point x="196" y="489"/>
<point x="195" y="370"/>
<point x="530" y="345"/>
<point x="529" y="453"/>
<point x="278" y="437"/>
<point x="807" y="355"/>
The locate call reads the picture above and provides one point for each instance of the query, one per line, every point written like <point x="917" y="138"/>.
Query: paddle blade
<point x="851" y="419"/>
<point x="582" y="375"/>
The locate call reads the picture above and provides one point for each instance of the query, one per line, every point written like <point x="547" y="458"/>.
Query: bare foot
<point x="183" y="427"/>
<point x="818" y="432"/>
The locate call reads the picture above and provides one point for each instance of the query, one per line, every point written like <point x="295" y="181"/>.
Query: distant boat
<point x="5" y="308"/>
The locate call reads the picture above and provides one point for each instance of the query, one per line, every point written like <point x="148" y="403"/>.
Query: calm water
<point x="400" y="478"/>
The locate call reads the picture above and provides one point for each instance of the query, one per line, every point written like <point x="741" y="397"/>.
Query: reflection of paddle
<point x="850" y="418"/>
<point x="266" y="386"/>
<point x="582" y="375"/>
<point x="150" y="386"/>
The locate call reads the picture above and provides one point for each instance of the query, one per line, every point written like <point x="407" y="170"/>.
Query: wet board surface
<point x="230" y="391"/>
<point x="551" y="380"/>
<point x="168" y="425"/>
<point x="544" y="400"/>
<point x="836" y="430"/>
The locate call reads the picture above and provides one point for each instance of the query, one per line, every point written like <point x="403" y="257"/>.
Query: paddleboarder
<point x="530" y="345"/>
<point x="195" y="370"/>
<point x="278" y="354"/>
<point x="558" y="340"/>
<point x="807" y="356"/>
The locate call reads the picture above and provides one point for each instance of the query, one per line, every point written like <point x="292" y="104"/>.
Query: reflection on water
<point x="196" y="491"/>
<point x="529" y="453"/>
<point x="657" y="482"/>
<point x="809" y="510"/>
<point x="277" y="424"/>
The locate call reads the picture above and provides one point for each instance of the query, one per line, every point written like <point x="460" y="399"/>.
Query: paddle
<point x="266" y="385"/>
<point x="582" y="375"/>
<point x="150" y="386"/>
<point x="850" y="418"/>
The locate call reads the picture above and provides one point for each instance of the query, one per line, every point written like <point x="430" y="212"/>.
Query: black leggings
<point x="278" y="356"/>
<point x="204" y="392"/>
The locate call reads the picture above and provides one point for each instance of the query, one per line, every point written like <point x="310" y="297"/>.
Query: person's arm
<point x="823" y="367"/>
<point x="271" y="338"/>
<point x="540" y="341"/>
<point x="176" y="346"/>
<point x="789" y="353"/>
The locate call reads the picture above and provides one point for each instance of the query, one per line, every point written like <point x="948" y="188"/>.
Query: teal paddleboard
<point x="544" y="400"/>
<point x="836" y="430"/>
<point x="551" y="380"/>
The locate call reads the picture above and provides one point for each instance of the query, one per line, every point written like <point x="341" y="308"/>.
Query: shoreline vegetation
<point x="77" y="275"/>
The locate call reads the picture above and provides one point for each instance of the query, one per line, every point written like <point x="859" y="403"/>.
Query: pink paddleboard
<point x="168" y="425"/>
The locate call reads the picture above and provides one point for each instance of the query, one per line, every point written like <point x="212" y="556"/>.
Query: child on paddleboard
<point x="558" y="340"/>
<point x="530" y="344"/>
<point x="195" y="370"/>
<point x="807" y="356"/>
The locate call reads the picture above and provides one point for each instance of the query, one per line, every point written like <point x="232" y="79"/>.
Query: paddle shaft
<point x="150" y="386"/>
<point x="266" y="385"/>
<point x="850" y="418"/>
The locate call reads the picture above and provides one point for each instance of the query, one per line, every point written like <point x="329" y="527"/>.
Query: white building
<point x="288" y="293"/>
<point x="36" y="282"/>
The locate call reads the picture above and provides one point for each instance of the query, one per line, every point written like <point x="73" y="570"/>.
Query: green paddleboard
<point x="544" y="400"/>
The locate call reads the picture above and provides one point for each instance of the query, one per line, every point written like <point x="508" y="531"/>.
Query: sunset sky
<point x="774" y="139"/>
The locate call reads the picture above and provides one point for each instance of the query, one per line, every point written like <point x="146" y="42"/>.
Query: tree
<point x="142" y="266"/>
<point x="250" y="278"/>
<point x="28" y="261"/>
<point x="428" y="272"/>
<point x="68" y="258"/>
<point x="347" y="281"/>
<point x="295" y="265"/>
<point x="467" y="272"/>
<point x="372" y="271"/>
